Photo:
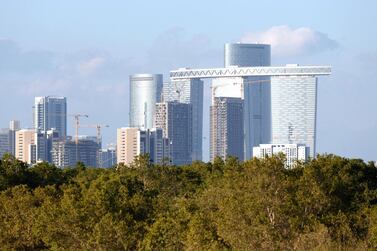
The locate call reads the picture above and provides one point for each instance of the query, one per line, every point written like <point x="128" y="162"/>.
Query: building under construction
<point x="226" y="129"/>
<point x="66" y="153"/>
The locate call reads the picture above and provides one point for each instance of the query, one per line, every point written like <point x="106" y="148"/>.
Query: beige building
<point x="132" y="141"/>
<point x="127" y="144"/>
<point x="25" y="145"/>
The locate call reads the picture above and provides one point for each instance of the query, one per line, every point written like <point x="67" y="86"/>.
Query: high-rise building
<point x="14" y="125"/>
<point x="158" y="146"/>
<point x="145" y="92"/>
<point x="255" y="91"/>
<point x="292" y="152"/>
<point x="246" y="55"/>
<point x="176" y="121"/>
<point x="25" y="145"/>
<point x="127" y="144"/>
<point x="51" y="113"/>
<point x="257" y="112"/>
<point x="4" y="141"/>
<point x="66" y="153"/>
<point x="189" y="91"/>
<point x="132" y="141"/>
<point x="226" y="128"/>
<point x="293" y="108"/>
<point x="43" y="144"/>
<point x="107" y="158"/>
<point x="280" y="97"/>
<point x="294" y="101"/>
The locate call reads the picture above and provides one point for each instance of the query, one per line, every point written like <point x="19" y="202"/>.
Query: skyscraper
<point x="145" y="92"/>
<point x="158" y="146"/>
<point x="294" y="101"/>
<point x="226" y="128"/>
<point x="43" y="144"/>
<point x="189" y="91"/>
<point x="176" y="121"/>
<point x="293" y="83"/>
<point x="245" y="55"/>
<point x="51" y="113"/>
<point x="255" y="91"/>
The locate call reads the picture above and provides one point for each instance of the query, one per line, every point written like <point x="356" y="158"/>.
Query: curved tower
<point x="145" y="92"/>
<point x="255" y="91"/>
<point x="247" y="55"/>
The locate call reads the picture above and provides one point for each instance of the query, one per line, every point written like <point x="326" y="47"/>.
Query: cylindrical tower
<point x="256" y="95"/>
<point x="145" y="92"/>
<point x="247" y="55"/>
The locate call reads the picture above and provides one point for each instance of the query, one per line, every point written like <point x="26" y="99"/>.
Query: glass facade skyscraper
<point x="189" y="91"/>
<point x="245" y="55"/>
<point x="145" y="92"/>
<point x="294" y="102"/>
<point x="176" y="121"/>
<point x="51" y="113"/>
<point x="255" y="91"/>
<point x="44" y="141"/>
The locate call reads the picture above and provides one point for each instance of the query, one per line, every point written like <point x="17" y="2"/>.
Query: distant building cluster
<point x="253" y="105"/>
<point x="47" y="141"/>
<point x="256" y="110"/>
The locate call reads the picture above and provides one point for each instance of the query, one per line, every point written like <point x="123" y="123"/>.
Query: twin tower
<point x="252" y="103"/>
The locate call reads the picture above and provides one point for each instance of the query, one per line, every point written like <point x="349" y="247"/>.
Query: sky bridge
<point x="234" y="71"/>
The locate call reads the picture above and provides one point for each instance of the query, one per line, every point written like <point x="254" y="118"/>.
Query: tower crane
<point x="98" y="128"/>
<point x="178" y="86"/>
<point x="77" y="124"/>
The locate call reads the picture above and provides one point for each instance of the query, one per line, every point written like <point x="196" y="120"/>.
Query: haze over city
<point x="86" y="51"/>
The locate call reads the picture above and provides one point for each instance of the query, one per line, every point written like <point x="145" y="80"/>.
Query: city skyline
<point x="96" y="81"/>
<point x="291" y="103"/>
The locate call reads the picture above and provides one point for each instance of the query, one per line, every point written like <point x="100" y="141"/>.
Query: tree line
<point x="328" y="203"/>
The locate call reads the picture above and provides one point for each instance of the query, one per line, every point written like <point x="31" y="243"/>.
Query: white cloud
<point x="288" y="41"/>
<point x="90" y="66"/>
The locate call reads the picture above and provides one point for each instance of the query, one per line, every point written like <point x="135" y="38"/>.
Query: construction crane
<point x="178" y="89"/>
<point x="77" y="124"/>
<point x="98" y="127"/>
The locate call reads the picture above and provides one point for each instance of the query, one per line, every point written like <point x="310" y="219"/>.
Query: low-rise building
<point x="292" y="152"/>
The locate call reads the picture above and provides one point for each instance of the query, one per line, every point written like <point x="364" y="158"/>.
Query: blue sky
<point x="85" y="50"/>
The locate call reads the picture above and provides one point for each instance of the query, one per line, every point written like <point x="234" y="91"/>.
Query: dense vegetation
<point x="326" y="204"/>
